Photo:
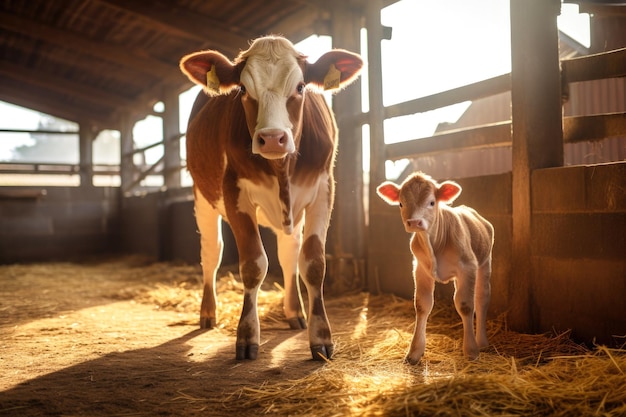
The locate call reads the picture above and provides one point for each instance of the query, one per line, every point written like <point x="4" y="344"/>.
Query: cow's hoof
<point x="322" y="352"/>
<point x="247" y="352"/>
<point x="208" y="322"/>
<point x="297" y="323"/>
<point x="410" y="361"/>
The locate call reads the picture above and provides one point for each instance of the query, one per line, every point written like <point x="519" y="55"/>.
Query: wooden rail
<point x="575" y="129"/>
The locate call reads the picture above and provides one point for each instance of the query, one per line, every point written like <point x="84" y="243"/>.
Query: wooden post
<point x="86" y="137"/>
<point x="171" y="140"/>
<point x="127" y="168"/>
<point x="536" y="132"/>
<point x="348" y="220"/>
<point x="377" y="137"/>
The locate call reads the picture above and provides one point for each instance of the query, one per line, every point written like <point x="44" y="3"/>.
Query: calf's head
<point x="418" y="197"/>
<point x="272" y="78"/>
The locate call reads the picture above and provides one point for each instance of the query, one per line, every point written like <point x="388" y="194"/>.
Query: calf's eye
<point x="400" y="204"/>
<point x="300" y="88"/>
<point x="432" y="203"/>
<point x="242" y="89"/>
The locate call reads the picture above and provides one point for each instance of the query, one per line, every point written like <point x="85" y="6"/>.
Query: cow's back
<point x="480" y="232"/>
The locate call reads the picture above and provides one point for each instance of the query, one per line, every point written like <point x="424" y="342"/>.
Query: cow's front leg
<point x="313" y="266"/>
<point x="423" y="301"/>
<point x="249" y="330"/>
<point x="211" y="247"/>
<point x="288" y="250"/>
<point x="464" y="303"/>
<point x="252" y="269"/>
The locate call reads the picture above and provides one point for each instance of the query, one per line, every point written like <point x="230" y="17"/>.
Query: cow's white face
<point x="272" y="78"/>
<point x="273" y="89"/>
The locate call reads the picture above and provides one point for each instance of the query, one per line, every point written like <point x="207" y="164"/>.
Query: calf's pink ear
<point x="389" y="192"/>
<point x="448" y="191"/>
<point x="334" y="70"/>
<point x="211" y="70"/>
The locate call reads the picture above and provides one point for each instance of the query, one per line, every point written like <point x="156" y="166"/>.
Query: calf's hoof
<point x="297" y="323"/>
<point x="208" y="322"/>
<point x="322" y="352"/>
<point x="247" y="352"/>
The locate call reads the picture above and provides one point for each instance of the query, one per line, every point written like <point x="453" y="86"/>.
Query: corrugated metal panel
<point x="596" y="97"/>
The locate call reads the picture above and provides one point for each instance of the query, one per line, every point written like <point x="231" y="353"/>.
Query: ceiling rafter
<point x="21" y="94"/>
<point x="66" y="39"/>
<point x="188" y="23"/>
<point x="60" y="85"/>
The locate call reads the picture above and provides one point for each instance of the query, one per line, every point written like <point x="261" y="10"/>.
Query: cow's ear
<point x="389" y="192"/>
<point x="334" y="70"/>
<point x="211" y="70"/>
<point x="448" y="191"/>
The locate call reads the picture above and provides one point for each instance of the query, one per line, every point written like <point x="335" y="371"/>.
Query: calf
<point x="447" y="243"/>
<point x="261" y="147"/>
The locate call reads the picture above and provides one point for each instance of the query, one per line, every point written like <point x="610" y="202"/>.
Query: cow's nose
<point x="272" y="141"/>
<point x="415" y="223"/>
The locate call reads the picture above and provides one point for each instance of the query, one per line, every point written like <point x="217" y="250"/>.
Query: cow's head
<point x="272" y="78"/>
<point x="418" y="197"/>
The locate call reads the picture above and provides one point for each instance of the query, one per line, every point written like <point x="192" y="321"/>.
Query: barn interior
<point x="539" y="151"/>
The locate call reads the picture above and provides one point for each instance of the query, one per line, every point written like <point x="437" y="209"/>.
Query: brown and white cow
<point x="261" y="147"/>
<point x="447" y="243"/>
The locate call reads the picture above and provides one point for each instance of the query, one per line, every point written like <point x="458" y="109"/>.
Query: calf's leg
<point x="211" y="247"/>
<point x="482" y="298"/>
<point x="423" y="301"/>
<point x="464" y="303"/>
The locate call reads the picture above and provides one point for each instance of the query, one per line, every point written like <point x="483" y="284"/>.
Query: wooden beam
<point x="298" y="24"/>
<point x="171" y="140"/>
<point x="347" y="229"/>
<point x="377" y="136"/>
<point x="86" y="138"/>
<point x="120" y="55"/>
<point x="488" y="136"/>
<point x="537" y="137"/>
<point x="610" y="64"/>
<point x="179" y="21"/>
<point x="52" y="104"/>
<point x="60" y="85"/>
<point x="485" y="88"/>
<point x="593" y="128"/>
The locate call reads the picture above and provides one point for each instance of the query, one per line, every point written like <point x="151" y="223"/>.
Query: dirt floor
<point x="119" y="337"/>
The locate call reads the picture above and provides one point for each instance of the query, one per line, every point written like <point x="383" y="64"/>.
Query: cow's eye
<point x="432" y="203"/>
<point x="242" y="89"/>
<point x="300" y="88"/>
<point x="400" y="204"/>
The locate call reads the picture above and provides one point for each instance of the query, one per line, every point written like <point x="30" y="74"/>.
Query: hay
<point x="519" y="374"/>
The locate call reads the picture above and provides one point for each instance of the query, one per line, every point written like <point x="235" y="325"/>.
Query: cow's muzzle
<point x="273" y="143"/>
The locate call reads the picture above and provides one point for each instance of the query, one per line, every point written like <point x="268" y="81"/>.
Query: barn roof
<point x="94" y="60"/>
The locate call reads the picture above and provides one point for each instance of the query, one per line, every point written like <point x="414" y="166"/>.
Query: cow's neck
<point x="437" y="230"/>
<point x="282" y="170"/>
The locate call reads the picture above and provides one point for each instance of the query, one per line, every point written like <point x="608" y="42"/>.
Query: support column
<point x="347" y="229"/>
<point x="171" y="140"/>
<point x="377" y="137"/>
<point x="127" y="168"/>
<point x="537" y="135"/>
<point x="86" y="137"/>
